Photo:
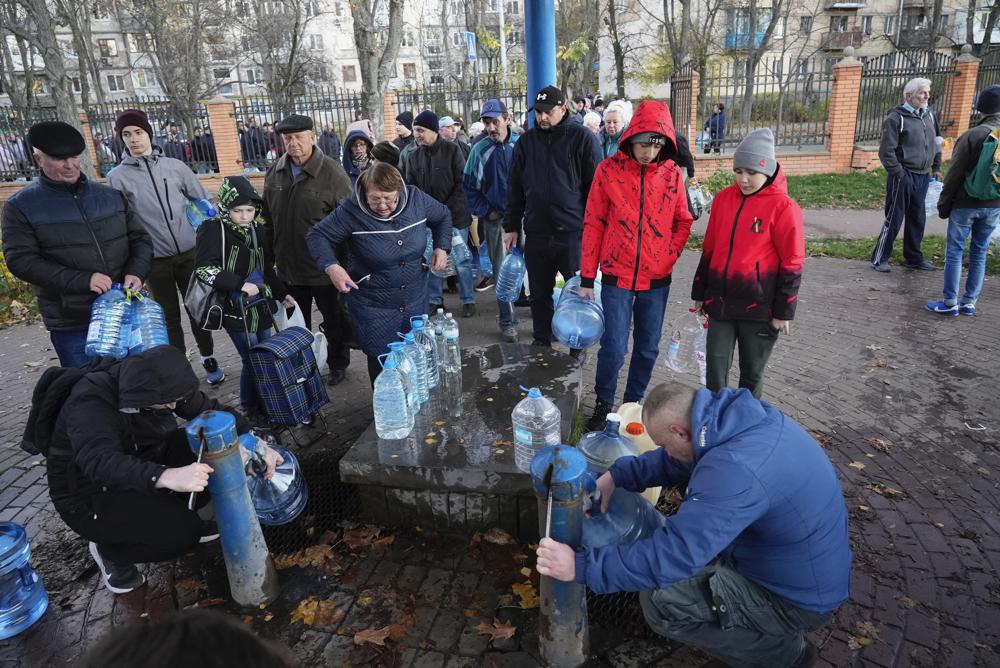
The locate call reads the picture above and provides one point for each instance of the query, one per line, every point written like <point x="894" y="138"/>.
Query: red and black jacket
<point x="637" y="219"/>
<point x="752" y="256"/>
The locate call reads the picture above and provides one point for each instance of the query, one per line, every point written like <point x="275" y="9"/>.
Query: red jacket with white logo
<point x="637" y="219"/>
<point x="752" y="256"/>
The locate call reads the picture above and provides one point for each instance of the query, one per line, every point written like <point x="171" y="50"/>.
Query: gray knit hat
<point x="756" y="152"/>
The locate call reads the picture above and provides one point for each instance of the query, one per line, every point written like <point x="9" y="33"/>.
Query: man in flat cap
<point x="71" y="238"/>
<point x="300" y="189"/>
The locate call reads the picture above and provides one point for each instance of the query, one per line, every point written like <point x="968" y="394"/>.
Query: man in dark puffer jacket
<point x="71" y="239"/>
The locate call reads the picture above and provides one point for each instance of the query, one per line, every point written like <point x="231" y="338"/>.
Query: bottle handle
<point x="381" y="359"/>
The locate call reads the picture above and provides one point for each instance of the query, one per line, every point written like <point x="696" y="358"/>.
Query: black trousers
<point x="133" y="527"/>
<point x="755" y="339"/>
<point x="374" y="369"/>
<point x="167" y="276"/>
<point x="336" y="324"/>
<point x="544" y="256"/>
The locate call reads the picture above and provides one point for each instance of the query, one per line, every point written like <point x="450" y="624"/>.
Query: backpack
<point x="47" y="399"/>
<point x="983" y="182"/>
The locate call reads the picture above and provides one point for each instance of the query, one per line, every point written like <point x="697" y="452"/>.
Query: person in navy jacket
<point x="758" y="553"/>
<point x="385" y="222"/>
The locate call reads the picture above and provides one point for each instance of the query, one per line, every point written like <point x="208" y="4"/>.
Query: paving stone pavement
<point x="903" y="401"/>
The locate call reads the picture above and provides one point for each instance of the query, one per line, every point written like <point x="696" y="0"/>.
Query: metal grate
<point x="16" y="160"/>
<point x="463" y="103"/>
<point x="989" y="74"/>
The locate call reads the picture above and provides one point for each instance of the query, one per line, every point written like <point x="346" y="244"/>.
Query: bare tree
<point x="378" y="27"/>
<point x="577" y="26"/>
<point x="990" y="25"/>
<point x="754" y="16"/>
<point x="689" y="30"/>
<point x="77" y="15"/>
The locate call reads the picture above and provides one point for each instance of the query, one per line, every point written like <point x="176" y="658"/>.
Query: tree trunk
<point x="616" y="48"/>
<point x="991" y="23"/>
<point x="377" y="50"/>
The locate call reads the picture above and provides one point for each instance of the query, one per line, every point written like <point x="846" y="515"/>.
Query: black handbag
<point x="203" y="302"/>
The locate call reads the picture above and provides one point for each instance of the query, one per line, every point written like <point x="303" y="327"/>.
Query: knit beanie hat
<point x="406" y="119"/>
<point x="756" y="152"/>
<point x="428" y="120"/>
<point x="386" y="151"/>
<point x="237" y="191"/>
<point x="648" y="138"/>
<point x="135" y="117"/>
<point x="988" y="101"/>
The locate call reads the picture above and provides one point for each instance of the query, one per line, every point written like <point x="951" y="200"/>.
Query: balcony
<point x="838" y="41"/>
<point x="914" y="38"/>
<point x="743" y="41"/>
<point x="844" y="4"/>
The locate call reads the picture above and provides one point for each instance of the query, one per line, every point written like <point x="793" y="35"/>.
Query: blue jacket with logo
<point x="761" y="495"/>
<point x="487" y="174"/>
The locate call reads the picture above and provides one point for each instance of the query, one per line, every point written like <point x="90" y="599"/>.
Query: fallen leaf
<point x="317" y="556"/>
<point x="857" y="465"/>
<point x="526" y="592"/>
<point x="328" y="537"/>
<point x="190" y="584"/>
<point x="854" y="643"/>
<point x="383" y="543"/>
<point x="315" y="612"/>
<point x="374" y="636"/>
<point x="248" y="621"/>
<point x="498" y="536"/>
<point x="469" y="612"/>
<point x="906" y="601"/>
<point x="497" y="630"/>
<point x="884" y="490"/>
<point x="209" y="602"/>
<point x="520" y="556"/>
<point x="866" y="629"/>
<point x="429" y="441"/>
<point x="526" y="572"/>
<point x="400" y="629"/>
<point x="269" y="616"/>
<point x="362" y="536"/>
<point x="476" y="539"/>
<point x="880" y="363"/>
<point x="440" y="423"/>
<point x="873" y="347"/>
<point x="879" y="444"/>
<point x="864" y="509"/>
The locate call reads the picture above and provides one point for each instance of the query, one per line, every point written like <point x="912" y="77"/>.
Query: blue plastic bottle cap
<point x="533" y="393"/>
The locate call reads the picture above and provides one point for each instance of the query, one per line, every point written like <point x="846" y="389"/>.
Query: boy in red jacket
<point x="751" y="265"/>
<point x="635" y="227"/>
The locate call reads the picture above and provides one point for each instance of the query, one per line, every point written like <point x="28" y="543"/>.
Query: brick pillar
<point x="843" y="112"/>
<point x="954" y="117"/>
<point x="389" y="114"/>
<point x="222" y="120"/>
<point x="88" y="138"/>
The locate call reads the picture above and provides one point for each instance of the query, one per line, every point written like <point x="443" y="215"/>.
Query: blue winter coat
<point x="349" y="167"/>
<point x="486" y="176"/>
<point x="716" y="124"/>
<point x="761" y="495"/>
<point x="390" y="251"/>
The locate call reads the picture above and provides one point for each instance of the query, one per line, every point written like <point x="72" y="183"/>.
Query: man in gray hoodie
<point x="159" y="190"/>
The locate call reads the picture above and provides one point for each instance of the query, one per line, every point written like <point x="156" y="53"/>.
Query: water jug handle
<point x="381" y="359"/>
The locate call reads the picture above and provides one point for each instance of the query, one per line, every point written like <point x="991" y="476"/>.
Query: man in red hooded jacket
<point x="635" y="227"/>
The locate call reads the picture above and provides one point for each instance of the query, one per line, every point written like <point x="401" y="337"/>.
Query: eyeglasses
<point x="388" y="200"/>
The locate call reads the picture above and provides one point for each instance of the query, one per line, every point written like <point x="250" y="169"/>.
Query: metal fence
<point x="462" y="103"/>
<point x="17" y="162"/>
<point x="883" y="79"/>
<point x="989" y="74"/>
<point x="789" y="96"/>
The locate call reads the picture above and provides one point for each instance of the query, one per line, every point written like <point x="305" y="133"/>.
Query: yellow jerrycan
<point x="635" y="431"/>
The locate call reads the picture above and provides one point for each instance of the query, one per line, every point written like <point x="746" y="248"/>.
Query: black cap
<point x="547" y="98"/>
<point x="56" y="139"/>
<point x="294" y="123"/>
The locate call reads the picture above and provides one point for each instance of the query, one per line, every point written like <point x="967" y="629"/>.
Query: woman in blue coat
<point x="385" y="222"/>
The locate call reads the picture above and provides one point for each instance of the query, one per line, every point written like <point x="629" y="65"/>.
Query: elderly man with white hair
<point x="911" y="152"/>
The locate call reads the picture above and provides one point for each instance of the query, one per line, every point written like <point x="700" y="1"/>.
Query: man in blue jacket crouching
<point x="758" y="553"/>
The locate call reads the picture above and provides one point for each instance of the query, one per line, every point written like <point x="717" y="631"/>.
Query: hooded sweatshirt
<point x="964" y="158"/>
<point x="637" y="219"/>
<point x="348" y="158"/>
<point x="761" y="494"/>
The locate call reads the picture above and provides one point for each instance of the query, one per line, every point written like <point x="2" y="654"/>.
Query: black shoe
<point x="923" y="265"/>
<point x="336" y="377"/>
<point x="468" y="310"/>
<point x="541" y="344"/>
<point x="485" y="284"/>
<point x="209" y="531"/>
<point x="118" y="578"/>
<point x="808" y="656"/>
<point x="881" y="267"/>
<point x="600" y="416"/>
<point x="523" y="301"/>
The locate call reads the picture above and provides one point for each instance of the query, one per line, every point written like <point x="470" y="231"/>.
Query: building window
<point x="805" y="25"/>
<point x="255" y="77"/>
<point x="456" y="9"/>
<point x="801" y="69"/>
<point x="138" y="43"/>
<point x="838" y="24"/>
<point x="101" y="11"/>
<point x="409" y="70"/>
<point x="316" y="42"/>
<point x="349" y="73"/>
<point x="40" y="87"/>
<point x="890" y="25"/>
<point x="221" y="73"/>
<point x="67" y="48"/>
<point x="116" y="83"/>
<point x="76" y="84"/>
<point x="340" y="10"/>
<point x="458" y="39"/>
<point x="513" y="38"/>
<point x="914" y="19"/>
<point x="866" y="25"/>
<point x="945" y="21"/>
<point x="408" y="40"/>
<point x="312" y="8"/>
<point x="108" y="47"/>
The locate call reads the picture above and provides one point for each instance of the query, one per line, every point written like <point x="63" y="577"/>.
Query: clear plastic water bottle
<point x="459" y="254"/>
<point x="686" y="351"/>
<point x="437" y="325"/>
<point x="393" y="417"/>
<point x="536" y="424"/>
<point x="451" y="365"/>
<point x="485" y="264"/>
<point x="577" y="323"/>
<point x="22" y="596"/>
<point x="198" y="211"/>
<point x="602" y="448"/>
<point x="572" y="289"/>
<point x="510" y="278"/>
<point x="425" y="338"/>
<point x="409" y="371"/>
<point x="450" y="326"/>
<point x="149" y="325"/>
<point x="429" y="248"/>
<point x="419" y="359"/>
<point x="934" y="189"/>
<point x="629" y="518"/>
<point x="110" y="330"/>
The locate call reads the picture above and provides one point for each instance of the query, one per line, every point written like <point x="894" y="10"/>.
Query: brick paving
<point x="903" y="401"/>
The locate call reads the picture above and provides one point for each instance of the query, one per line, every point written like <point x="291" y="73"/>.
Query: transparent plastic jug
<point x="458" y="255"/>
<point x="23" y="599"/>
<point x="572" y="289"/>
<point x="149" y="325"/>
<point x="198" y="211"/>
<point x="577" y="323"/>
<point x="424" y="337"/>
<point x="629" y="518"/>
<point x="602" y="448"/>
<point x="409" y="372"/>
<point x="485" y="264"/>
<point x="393" y="417"/>
<point x="110" y="330"/>
<point x="537" y="423"/>
<point x="510" y="277"/>
<point x="686" y="351"/>
<point x="934" y="189"/>
<point x="282" y="498"/>
<point x="419" y="358"/>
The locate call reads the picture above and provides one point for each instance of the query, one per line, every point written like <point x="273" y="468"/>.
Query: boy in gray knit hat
<point x="756" y="152"/>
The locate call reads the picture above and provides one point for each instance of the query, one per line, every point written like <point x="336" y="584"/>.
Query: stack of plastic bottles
<point x="537" y="423"/>
<point x="121" y="325"/>
<point x="149" y="325"/>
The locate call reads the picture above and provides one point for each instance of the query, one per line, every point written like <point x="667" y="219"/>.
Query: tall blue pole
<point x="540" y="47"/>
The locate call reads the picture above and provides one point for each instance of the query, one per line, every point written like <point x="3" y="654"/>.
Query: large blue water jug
<point x="629" y="518"/>
<point x="110" y="330"/>
<point x="149" y="325"/>
<point x="602" y="448"/>
<point x="485" y="264"/>
<point x="22" y="597"/>
<point x="393" y="417"/>
<point x="282" y="498"/>
<point x="198" y="211"/>
<point x="572" y="289"/>
<point x="578" y="323"/>
<point x="510" y="277"/>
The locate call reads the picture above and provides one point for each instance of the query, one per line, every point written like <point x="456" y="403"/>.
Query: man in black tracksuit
<point x="550" y="175"/>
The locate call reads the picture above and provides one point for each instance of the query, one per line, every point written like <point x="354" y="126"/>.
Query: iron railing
<point x="17" y="162"/>
<point x="463" y="104"/>
<point x="989" y="74"/>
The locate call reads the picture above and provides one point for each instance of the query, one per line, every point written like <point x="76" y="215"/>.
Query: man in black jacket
<point x="71" y="239"/>
<point x="550" y="176"/>
<point x="120" y="470"/>
<point x="436" y="167"/>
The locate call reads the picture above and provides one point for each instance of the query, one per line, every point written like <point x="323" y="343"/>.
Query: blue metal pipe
<point x="540" y="47"/>
<point x="563" y="630"/>
<point x="252" y="577"/>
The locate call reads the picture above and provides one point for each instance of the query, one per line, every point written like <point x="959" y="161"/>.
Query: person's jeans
<point x="731" y="618"/>
<point x="492" y="231"/>
<point x="620" y="305"/>
<point x="544" y="256"/>
<point x="756" y="340"/>
<point x="963" y="223"/>
<point x="904" y="199"/>
<point x="249" y="397"/>
<point x="167" y="276"/>
<point x="70" y="347"/>
<point x="466" y="291"/>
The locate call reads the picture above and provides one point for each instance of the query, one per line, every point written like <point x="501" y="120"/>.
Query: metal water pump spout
<point x="252" y="577"/>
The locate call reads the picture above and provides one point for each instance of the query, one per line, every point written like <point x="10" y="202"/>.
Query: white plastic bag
<point x="686" y="349"/>
<point x="934" y="189"/>
<point x="319" y="349"/>
<point x="283" y="321"/>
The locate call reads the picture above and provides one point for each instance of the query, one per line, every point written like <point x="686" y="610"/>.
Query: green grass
<point x="823" y="191"/>
<point x="861" y="249"/>
<point x="579" y="428"/>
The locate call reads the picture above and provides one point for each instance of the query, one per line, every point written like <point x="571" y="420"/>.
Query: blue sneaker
<point x="214" y="373"/>
<point x="967" y="309"/>
<point x="942" y="308"/>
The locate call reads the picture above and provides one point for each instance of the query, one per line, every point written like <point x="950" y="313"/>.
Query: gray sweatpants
<point x="735" y="620"/>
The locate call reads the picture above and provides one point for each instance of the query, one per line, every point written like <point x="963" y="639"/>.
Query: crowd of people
<point x="346" y="225"/>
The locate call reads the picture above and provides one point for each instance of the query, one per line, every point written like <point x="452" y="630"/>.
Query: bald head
<point x="666" y="414"/>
